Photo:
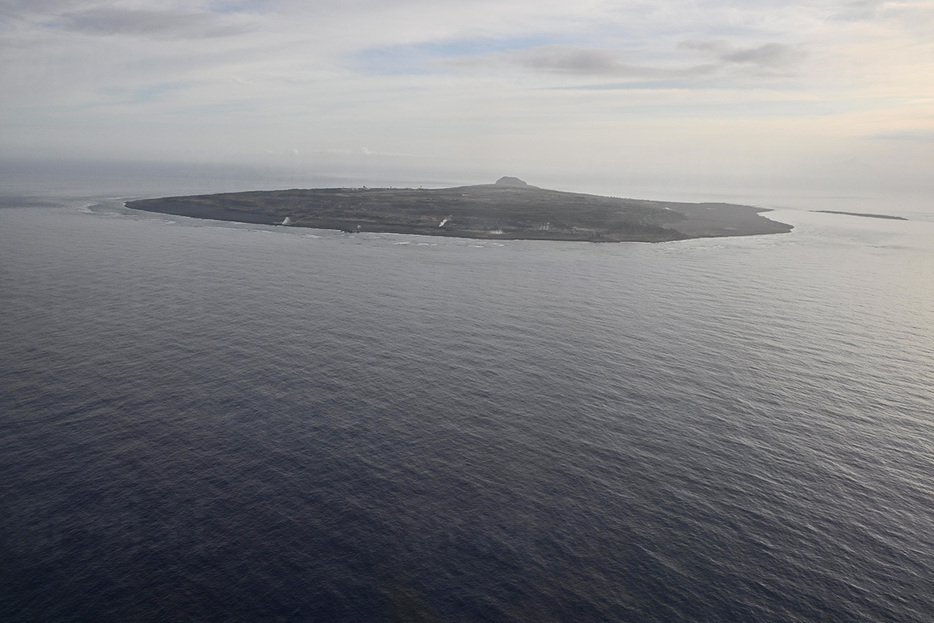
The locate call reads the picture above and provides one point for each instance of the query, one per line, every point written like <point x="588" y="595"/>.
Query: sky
<point x="837" y="95"/>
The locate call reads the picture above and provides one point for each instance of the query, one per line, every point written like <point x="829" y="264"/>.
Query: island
<point x="863" y="214"/>
<point x="509" y="209"/>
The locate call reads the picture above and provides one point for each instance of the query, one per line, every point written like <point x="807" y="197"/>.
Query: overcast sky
<point x="700" y="92"/>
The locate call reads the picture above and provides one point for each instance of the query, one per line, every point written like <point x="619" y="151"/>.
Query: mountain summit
<point x="510" y="181"/>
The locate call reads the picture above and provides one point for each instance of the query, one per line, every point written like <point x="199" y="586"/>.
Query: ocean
<point x="205" y="421"/>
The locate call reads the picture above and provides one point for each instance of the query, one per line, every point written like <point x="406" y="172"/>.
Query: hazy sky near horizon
<point x="702" y="92"/>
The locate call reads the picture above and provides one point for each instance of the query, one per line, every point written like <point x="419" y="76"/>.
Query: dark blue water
<point x="213" y="422"/>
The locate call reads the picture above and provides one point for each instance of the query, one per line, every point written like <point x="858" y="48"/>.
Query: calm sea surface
<point x="206" y="421"/>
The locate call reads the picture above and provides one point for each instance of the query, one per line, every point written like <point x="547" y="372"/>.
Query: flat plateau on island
<point x="507" y="210"/>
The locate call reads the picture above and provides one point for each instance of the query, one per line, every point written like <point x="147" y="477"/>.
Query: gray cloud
<point x="161" y="24"/>
<point x="768" y="59"/>
<point x="858" y="10"/>
<point x="566" y="59"/>
<point x="768" y="55"/>
<point x="581" y="61"/>
<point x="21" y="9"/>
<point x="713" y="47"/>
